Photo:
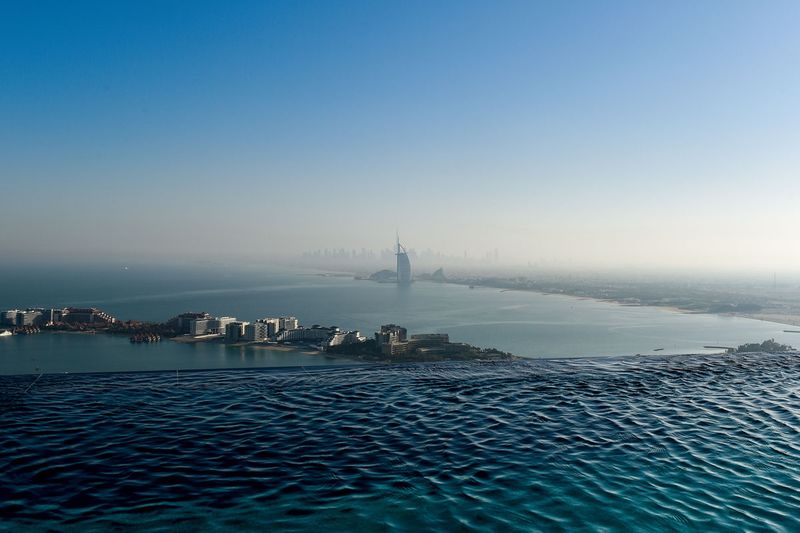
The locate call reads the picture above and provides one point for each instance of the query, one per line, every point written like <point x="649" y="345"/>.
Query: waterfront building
<point x="210" y="326"/>
<point x="86" y="315"/>
<point x="288" y="323"/>
<point x="204" y="324"/>
<point x="403" y="265"/>
<point x="200" y="326"/>
<point x="428" y="340"/>
<point x="257" y="331"/>
<point x="391" y="339"/>
<point x="273" y="325"/>
<point x="392" y="342"/>
<point x="220" y="325"/>
<point x="48" y="316"/>
<point x="443" y="349"/>
<point x="434" y="343"/>
<point x="340" y="338"/>
<point x="9" y="317"/>
<point x="41" y="317"/>
<point x="390" y="333"/>
<point x="58" y="315"/>
<point x="301" y="334"/>
<point x="235" y="331"/>
<point x="29" y="317"/>
<point x="184" y="320"/>
<point x="393" y="349"/>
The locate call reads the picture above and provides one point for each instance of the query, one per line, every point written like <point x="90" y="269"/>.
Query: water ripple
<point x="671" y="443"/>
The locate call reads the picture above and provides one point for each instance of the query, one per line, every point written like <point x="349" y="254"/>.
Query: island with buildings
<point x="390" y="344"/>
<point x="393" y="344"/>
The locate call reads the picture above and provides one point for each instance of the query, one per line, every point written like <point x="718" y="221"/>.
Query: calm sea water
<point x="524" y="323"/>
<point x="78" y="352"/>
<point x="699" y="443"/>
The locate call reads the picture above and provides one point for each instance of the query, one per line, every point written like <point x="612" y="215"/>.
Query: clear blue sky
<point x="587" y="132"/>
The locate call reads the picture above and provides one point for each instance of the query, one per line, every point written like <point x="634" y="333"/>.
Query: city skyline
<point x="644" y="136"/>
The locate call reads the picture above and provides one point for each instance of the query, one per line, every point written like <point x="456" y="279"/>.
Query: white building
<point x="210" y="326"/>
<point x="345" y="337"/>
<point x="273" y="325"/>
<point x="200" y="326"/>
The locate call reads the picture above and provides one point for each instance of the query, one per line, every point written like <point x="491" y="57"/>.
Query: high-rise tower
<point x="403" y="265"/>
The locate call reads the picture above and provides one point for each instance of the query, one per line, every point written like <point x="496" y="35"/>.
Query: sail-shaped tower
<point x="403" y="265"/>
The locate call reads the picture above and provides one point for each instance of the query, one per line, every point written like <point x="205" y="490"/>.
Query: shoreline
<point x="335" y="359"/>
<point x="784" y="320"/>
<point x="308" y="350"/>
<point x="774" y="318"/>
<point x="305" y="350"/>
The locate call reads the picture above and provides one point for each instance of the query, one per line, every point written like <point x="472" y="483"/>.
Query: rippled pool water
<point x="675" y="443"/>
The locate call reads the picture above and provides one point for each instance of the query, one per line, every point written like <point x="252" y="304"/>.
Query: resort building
<point x="48" y="316"/>
<point x="200" y="326"/>
<point x="273" y="325"/>
<point x="43" y="317"/>
<point x="325" y="336"/>
<point x="258" y="331"/>
<point x="210" y="326"/>
<point x="288" y="323"/>
<point x="403" y="265"/>
<point x="30" y="317"/>
<point x="235" y="331"/>
<point x="391" y="339"/>
<point x="314" y="333"/>
<point x="9" y="318"/>
<point x="86" y="315"/>
<point x="393" y="349"/>
<point x="221" y="324"/>
<point x="390" y="333"/>
<point x="428" y="340"/>
<point x="183" y="321"/>
<point x="391" y="342"/>
<point x="339" y="338"/>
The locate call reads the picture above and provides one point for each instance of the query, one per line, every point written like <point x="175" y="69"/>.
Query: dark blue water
<point x="666" y="443"/>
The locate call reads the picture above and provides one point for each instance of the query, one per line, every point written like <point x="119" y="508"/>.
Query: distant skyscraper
<point x="403" y="265"/>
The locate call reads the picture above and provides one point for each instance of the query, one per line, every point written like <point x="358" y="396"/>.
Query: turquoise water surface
<point x="698" y="443"/>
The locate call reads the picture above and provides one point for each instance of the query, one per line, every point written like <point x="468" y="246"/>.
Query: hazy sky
<point x="631" y="133"/>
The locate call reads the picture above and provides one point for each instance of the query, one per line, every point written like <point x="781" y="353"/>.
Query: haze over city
<point x="590" y="134"/>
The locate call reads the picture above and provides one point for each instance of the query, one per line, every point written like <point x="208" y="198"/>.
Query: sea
<point x="524" y="323"/>
<point x="605" y="427"/>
